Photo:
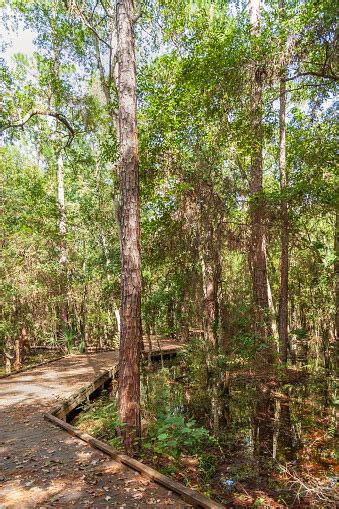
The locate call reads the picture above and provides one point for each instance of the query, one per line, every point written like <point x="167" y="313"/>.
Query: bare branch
<point x="95" y="6"/>
<point x="106" y="10"/>
<point x="89" y="25"/>
<point x="46" y="112"/>
<point x="302" y="87"/>
<point x="101" y="69"/>
<point x="316" y="74"/>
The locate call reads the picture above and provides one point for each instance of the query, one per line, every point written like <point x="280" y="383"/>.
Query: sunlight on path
<point x="42" y="466"/>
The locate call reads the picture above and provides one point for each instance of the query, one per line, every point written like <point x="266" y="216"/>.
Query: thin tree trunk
<point x="63" y="314"/>
<point x="211" y="271"/>
<point x="272" y="311"/>
<point x="18" y="359"/>
<point x="62" y="311"/>
<point x="284" y="259"/>
<point x="130" y="336"/>
<point x="225" y="325"/>
<point x="210" y="289"/>
<point x="293" y="325"/>
<point x="114" y="305"/>
<point x="20" y="344"/>
<point x="117" y="318"/>
<point x="210" y="241"/>
<point x="276" y="428"/>
<point x="170" y="318"/>
<point x="257" y="211"/>
<point x="8" y="363"/>
<point x="149" y="342"/>
<point x="336" y="275"/>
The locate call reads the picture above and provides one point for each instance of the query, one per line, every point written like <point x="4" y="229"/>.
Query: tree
<point x="283" y="301"/>
<point x="237" y="195"/>
<point x="257" y="252"/>
<point x="130" y="336"/>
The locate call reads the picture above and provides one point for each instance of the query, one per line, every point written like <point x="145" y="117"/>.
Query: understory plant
<point x="173" y="435"/>
<point x="100" y="419"/>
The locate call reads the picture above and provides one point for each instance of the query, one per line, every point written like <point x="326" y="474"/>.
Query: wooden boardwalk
<point x="42" y="466"/>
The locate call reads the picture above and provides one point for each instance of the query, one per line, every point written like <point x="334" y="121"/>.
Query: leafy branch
<point x="44" y="112"/>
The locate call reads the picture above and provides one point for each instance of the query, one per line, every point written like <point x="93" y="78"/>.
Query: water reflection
<point x="260" y="425"/>
<point x="263" y="430"/>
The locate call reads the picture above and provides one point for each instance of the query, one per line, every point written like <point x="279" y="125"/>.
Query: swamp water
<point x="242" y="438"/>
<point x="275" y="442"/>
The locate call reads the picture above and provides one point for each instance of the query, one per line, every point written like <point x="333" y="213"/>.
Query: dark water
<point x="274" y="436"/>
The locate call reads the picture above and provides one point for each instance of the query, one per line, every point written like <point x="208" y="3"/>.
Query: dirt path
<point x="42" y="466"/>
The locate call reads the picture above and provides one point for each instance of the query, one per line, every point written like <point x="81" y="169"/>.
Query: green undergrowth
<point x="231" y="432"/>
<point x="99" y="419"/>
<point x="179" y="447"/>
<point x="173" y="435"/>
<point x="170" y="443"/>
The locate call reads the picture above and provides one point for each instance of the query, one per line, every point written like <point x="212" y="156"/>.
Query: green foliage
<point x="173" y="435"/>
<point x="100" y="419"/>
<point x="259" y="502"/>
<point x="69" y="337"/>
<point x="195" y="62"/>
<point x="208" y="464"/>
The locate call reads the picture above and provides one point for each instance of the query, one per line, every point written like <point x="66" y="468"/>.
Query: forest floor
<point x="42" y="466"/>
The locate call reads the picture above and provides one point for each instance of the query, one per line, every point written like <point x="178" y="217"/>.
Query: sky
<point x="20" y="41"/>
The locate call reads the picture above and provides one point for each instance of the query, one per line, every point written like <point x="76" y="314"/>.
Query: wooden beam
<point x="60" y="412"/>
<point x="187" y="494"/>
<point x="79" y="397"/>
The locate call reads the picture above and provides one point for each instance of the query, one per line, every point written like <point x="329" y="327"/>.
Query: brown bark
<point x="18" y="359"/>
<point x="170" y="319"/>
<point x="284" y="258"/>
<point x="257" y="252"/>
<point x="336" y="276"/>
<point x="211" y="270"/>
<point x="149" y="342"/>
<point x="20" y="344"/>
<point x="292" y="325"/>
<point x="130" y="336"/>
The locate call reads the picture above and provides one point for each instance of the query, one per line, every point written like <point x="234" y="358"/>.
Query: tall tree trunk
<point x="63" y="314"/>
<point x="336" y="275"/>
<point x="292" y="344"/>
<point x="130" y="335"/>
<point x="284" y="259"/>
<point x="62" y="311"/>
<point x="257" y="252"/>
<point x="210" y="289"/>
